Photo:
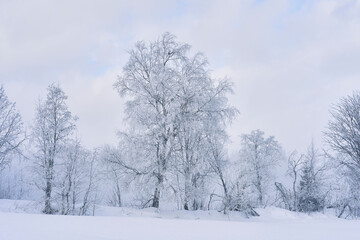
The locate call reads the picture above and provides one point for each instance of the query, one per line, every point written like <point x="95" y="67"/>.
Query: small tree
<point x="311" y="194"/>
<point x="258" y="158"/>
<point x="115" y="198"/>
<point x="91" y="183"/>
<point x="72" y="176"/>
<point x="53" y="126"/>
<point x="295" y="164"/>
<point x="11" y="129"/>
<point x="289" y="197"/>
<point x="232" y="182"/>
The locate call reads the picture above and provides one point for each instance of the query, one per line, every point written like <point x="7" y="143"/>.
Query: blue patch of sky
<point x="95" y="68"/>
<point x="280" y="22"/>
<point x="180" y="8"/>
<point x="294" y="5"/>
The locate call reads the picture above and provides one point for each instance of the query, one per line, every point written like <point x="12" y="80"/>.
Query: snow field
<point x="128" y="224"/>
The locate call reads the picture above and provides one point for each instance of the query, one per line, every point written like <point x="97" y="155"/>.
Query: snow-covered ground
<point x="20" y="223"/>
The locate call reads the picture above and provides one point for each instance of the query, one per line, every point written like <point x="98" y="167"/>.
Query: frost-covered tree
<point x="90" y="183"/>
<point x="76" y="173"/>
<point x="13" y="180"/>
<point x="236" y="190"/>
<point x="202" y="114"/>
<point x="288" y="198"/>
<point x="343" y="132"/>
<point x="149" y="78"/>
<point x="173" y="101"/>
<point x="309" y="188"/>
<point x="343" y="138"/>
<point x="11" y="129"/>
<point x="129" y="170"/>
<point x="295" y="163"/>
<point x="53" y="126"/>
<point x="70" y="174"/>
<point x="220" y="165"/>
<point x="115" y="198"/>
<point x="311" y="192"/>
<point x="258" y="158"/>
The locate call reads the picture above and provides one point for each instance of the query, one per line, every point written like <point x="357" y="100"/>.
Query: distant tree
<point x="258" y="158"/>
<point x="53" y="126"/>
<point x="90" y="183"/>
<point x="289" y="197"/>
<point x="128" y="166"/>
<point x="114" y="177"/>
<point x="295" y="164"/>
<point x="235" y="189"/>
<point x="219" y="164"/>
<point x="11" y="129"/>
<point x="311" y="190"/>
<point x="73" y="174"/>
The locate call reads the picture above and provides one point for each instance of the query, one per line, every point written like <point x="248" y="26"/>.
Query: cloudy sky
<point x="289" y="59"/>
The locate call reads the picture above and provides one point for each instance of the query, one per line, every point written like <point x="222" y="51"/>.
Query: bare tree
<point x="234" y="188"/>
<point x="219" y="164"/>
<point x="128" y="168"/>
<point x="343" y="138"/>
<point x="91" y="184"/>
<point x="343" y="133"/>
<point x="295" y="163"/>
<point x="115" y="198"/>
<point x="53" y="125"/>
<point x="289" y="197"/>
<point x="72" y="174"/>
<point x="11" y="129"/>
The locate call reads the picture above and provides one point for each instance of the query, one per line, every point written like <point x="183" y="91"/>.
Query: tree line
<point x="173" y="152"/>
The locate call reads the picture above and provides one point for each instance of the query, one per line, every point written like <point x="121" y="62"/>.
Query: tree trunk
<point x="156" y="198"/>
<point x="48" y="209"/>
<point x="187" y="191"/>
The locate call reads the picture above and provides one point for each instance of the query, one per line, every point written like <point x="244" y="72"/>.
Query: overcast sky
<point x="289" y="60"/>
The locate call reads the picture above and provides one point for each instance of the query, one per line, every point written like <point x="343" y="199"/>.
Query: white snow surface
<point x="21" y="220"/>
